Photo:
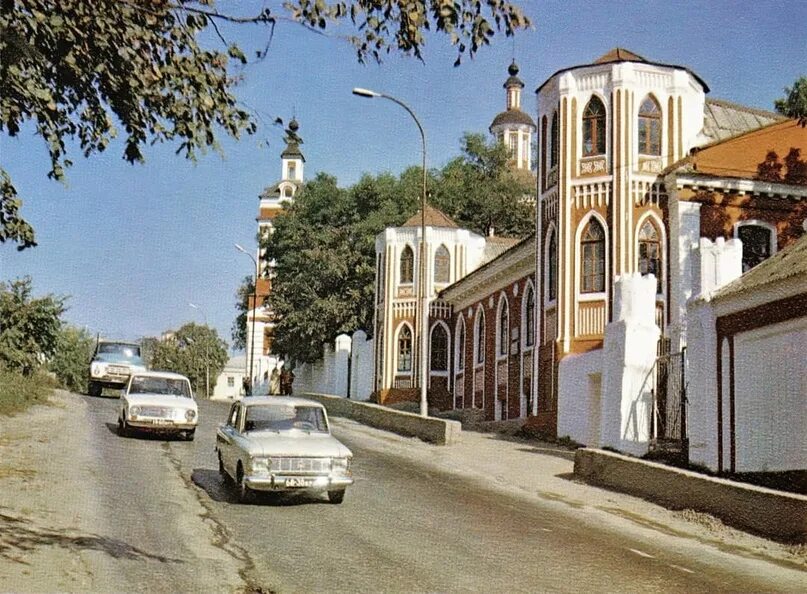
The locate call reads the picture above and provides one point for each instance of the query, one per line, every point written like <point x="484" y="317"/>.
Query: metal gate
<point x="669" y="423"/>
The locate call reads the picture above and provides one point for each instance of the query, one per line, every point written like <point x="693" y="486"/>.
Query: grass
<point x="18" y="392"/>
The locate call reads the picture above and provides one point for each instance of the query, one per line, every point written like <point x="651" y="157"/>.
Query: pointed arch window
<point x="407" y="265"/>
<point x="405" y="350"/>
<point x="442" y="265"/>
<point x="529" y="318"/>
<point x="479" y="342"/>
<point x="649" y="127"/>
<point x="650" y="252"/>
<point x="504" y="325"/>
<point x="592" y="253"/>
<point x="554" y="141"/>
<point x="439" y="349"/>
<point x="759" y="243"/>
<point x="552" y="267"/>
<point x="460" y="347"/>
<point x="594" y="128"/>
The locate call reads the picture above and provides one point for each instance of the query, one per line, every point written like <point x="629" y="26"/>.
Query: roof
<point x="739" y="156"/>
<point x="278" y="401"/>
<point x="512" y="116"/>
<point x="434" y="218"/>
<point x="619" y="54"/>
<point x="496" y="246"/>
<point x="724" y="119"/>
<point x="292" y="150"/>
<point x="788" y="263"/>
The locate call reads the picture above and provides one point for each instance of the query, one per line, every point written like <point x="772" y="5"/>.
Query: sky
<point x="133" y="245"/>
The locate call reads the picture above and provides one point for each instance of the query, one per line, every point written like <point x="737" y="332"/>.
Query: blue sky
<point x="133" y="245"/>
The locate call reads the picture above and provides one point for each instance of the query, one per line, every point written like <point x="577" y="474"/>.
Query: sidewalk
<point x="543" y="472"/>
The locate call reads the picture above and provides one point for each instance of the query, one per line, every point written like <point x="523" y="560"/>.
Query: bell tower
<point x="513" y="127"/>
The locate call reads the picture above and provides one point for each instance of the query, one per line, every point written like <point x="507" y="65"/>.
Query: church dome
<point x="512" y="116"/>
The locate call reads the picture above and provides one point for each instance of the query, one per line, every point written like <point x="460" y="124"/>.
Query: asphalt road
<point x="402" y="528"/>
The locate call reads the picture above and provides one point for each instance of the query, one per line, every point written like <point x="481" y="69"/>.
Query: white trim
<point x="459" y="353"/>
<point x="579" y="125"/>
<point x="662" y="129"/>
<point x="437" y="372"/>
<point x="502" y="300"/>
<point x="395" y="370"/>
<point x="528" y="286"/>
<point x="434" y="265"/>
<point x="398" y="282"/>
<point x="578" y="256"/>
<point x="503" y="307"/>
<point x="662" y="235"/>
<point x="550" y="232"/>
<point x="479" y="310"/>
<point x="748" y="186"/>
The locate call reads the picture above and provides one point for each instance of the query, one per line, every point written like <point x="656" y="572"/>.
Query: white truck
<point x="112" y="365"/>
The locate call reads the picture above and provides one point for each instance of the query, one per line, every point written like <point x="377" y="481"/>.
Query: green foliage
<point x="29" y="326"/>
<point x="190" y="351"/>
<point x="239" y="329"/>
<point x="147" y="346"/>
<point x="71" y="358"/>
<point x="794" y="104"/>
<point x="18" y="392"/>
<point x="73" y="68"/>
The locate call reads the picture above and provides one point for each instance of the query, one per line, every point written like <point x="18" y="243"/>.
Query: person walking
<point x="274" y="382"/>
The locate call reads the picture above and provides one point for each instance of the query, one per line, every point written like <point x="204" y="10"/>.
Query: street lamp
<point x="254" y="306"/>
<point x="423" y="297"/>
<point x="207" y="358"/>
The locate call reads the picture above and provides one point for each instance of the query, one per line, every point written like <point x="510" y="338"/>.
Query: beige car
<point x="275" y="443"/>
<point x="158" y="402"/>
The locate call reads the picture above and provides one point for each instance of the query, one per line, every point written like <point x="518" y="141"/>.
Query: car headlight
<point x="190" y="414"/>
<point x="134" y="411"/>
<point x="261" y="465"/>
<point x="97" y="369"/>
<point x="340" y="465"/>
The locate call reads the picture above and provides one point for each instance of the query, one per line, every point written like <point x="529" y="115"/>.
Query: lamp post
<point x="254" y="307"/>
<point x="423" y="297"/>
<point x="207" y="358"/>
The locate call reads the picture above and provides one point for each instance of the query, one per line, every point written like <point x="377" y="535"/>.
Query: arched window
<point x="439" y="349"/>
<point x="758" y="243"/>
<point x="649" y="127"/>
<point x="552" y="267"/>
<point x="650" y="252"/>
<point x="460" y="346"/>
<point x="594" y="128"/>
<point x="529" y="318"/>
<point x="405" y="350"/>
<point x="554" y="141"/>
<point x="292" y="171"/>
<point x="504" y="325"/>
<point x="287" y="192"/>
<point x="479" y="338"/>
<point x="407" y="265"/>
<point x="442" y="265"/>
<point x="592" y="254"/>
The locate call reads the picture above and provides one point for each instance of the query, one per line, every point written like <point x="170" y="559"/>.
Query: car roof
<point x="110" y="341"/>
<point x="162" y="374"/>
<point x="278" y="401"/>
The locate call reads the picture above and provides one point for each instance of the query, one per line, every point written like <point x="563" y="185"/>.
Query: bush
<point x="18" y="392"/>
<point x="71" y="359"/>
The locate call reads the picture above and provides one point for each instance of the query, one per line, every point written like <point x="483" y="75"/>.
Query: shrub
<point x="18" y="391"/>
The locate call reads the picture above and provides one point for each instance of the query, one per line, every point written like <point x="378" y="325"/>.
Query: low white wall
<point x="702" y="384"/>
<point x="361" y="379"/>
<point x="578" y="401"/>
<point x="329" y="375"/>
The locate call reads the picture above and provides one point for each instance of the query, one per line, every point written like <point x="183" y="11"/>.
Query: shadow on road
<point x="211" y="482"/>
<point x="20" y="536"/>
<point x="144" y="435"/>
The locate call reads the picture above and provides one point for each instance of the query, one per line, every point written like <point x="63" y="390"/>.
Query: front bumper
<point x="284" y="482"/>
<point x="159" y="425"/>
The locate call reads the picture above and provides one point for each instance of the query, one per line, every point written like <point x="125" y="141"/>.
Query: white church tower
<point x="514" y="127"/>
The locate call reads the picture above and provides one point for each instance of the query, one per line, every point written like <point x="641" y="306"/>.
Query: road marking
<point x="681" y="568"/>
<point x="642" y="553"/>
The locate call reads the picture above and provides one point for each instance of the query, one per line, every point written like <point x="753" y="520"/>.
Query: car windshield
<point x="160" y="385"/>
<point x="118" y="352"/>
<point x="285" y="418"/>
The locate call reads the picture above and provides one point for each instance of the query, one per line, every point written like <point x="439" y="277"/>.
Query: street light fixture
<point x="423" y="297"/>
<point x="254" y="306"/>
<point x="207" y="358"/>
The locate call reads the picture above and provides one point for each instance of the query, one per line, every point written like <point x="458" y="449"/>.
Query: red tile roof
<point x="434" y="218"/>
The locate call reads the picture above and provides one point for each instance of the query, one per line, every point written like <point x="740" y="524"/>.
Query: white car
<point x="112" y="364"/>
<point x="160" y="402"/>
<point x="276" y="443"/>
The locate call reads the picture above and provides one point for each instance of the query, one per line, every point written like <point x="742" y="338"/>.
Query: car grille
<point x="159" y="412"/>
<point x="301" y="464"/>
<point x="117" y="370"/>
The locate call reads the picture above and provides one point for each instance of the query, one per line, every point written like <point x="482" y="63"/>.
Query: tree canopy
<point x="239" y="328"/>
<point x="80" y="73"/>
<point x="794" y="103"/>
<point x="191" y="351"/>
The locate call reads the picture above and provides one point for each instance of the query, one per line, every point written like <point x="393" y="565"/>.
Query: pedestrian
<point x="290" y="382"/>
<point x="274" y="382"/>
<point x="284" y="382"/>
<point x="247" y="385"/>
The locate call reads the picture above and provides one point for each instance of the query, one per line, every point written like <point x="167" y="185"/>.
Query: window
<point x="405" y="350"/>
<point x="650" y="252"/>
<point x="479" y="342"/>
<point x="529" y="318"/>
<point x="287" y="192"/>
<point x="649" y="127"/>
<point x="592" y="272"/>
<point x="757" y="244"/>
<point x="554" y="141"/>
<point x="504" y="326"/>
<point x="407" y="265"/>
<point x="230" y="381"/>
<point x="513" y="145"/>
<point x="292" y="171"/>
<point x="460" y="348"/>
<point x="594" y="128"/>
<point x="552" y="267"/>
<point x="442" y="265"/>
<point x="439" y="354"/>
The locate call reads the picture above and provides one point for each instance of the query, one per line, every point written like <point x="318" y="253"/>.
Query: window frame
<point x="442" y="252"/>
<point x="653" y="121"/>
<point x="447" y="354"/>
<point x="401" y="280"/>
<point x="583" y="244"/>
<point x="502" y="328"/>
<point x="528" y="315"/>
<point x="479" y="337"/>
<point x="648" y="221"/>
<point x="398" y="352"/>
<point x="597" y="130"/>
<point x="554" y="141"/>
<point x="773" y="239"/>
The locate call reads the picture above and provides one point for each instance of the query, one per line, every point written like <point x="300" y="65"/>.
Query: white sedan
<point x="275" y="443"/>
<point x="160" y="402"/>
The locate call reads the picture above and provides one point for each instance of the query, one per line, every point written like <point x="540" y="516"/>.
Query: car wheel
<point x="95" y="389"/>
<point x="244" y="492"/>
<point x="190" y="434"/>
<point x="123" y="430"/>
<point x="336" y="496"/>
<point x="225" y="477"/>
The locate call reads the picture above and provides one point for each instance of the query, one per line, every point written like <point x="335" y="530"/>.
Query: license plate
<point x="161" y="422"/>
<point x="299" y="482"/>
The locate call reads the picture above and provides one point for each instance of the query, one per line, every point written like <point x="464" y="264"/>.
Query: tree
<point x="794" y="104"/>
<point x="242" y="297"/>
<point x="796" y="167"/>
<point x="192" y="351"/>
<point x="29" y="326"/>
<point x="71" y="358"/>
<point x="72" y="69"/>
<point x="770" y="170"/>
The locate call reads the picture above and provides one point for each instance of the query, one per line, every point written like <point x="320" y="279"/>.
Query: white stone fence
<point x="346" y="366"/>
